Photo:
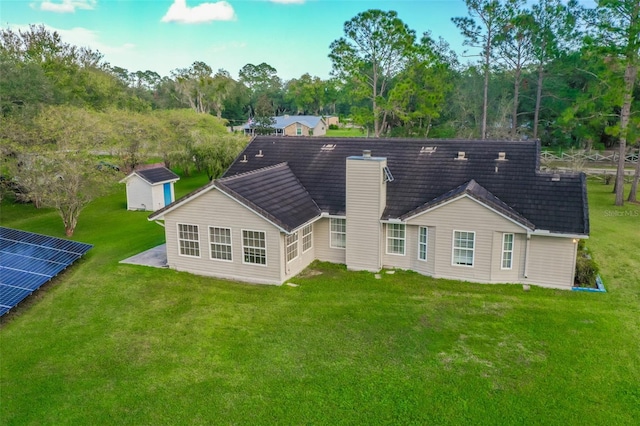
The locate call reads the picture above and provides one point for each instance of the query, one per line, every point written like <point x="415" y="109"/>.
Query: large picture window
<point x="188" y="240"/>
<point x="463" y="248"/>
<point x="338" y="233"/>
<point x="254" y="247"/>
<point x="507" y="251"/>
<point x="220" y="243"/>
<point x="292" y="246"/>
<point x="395" y="238"/>
<point x="423" y="242"/>
<point x="307" y="238"/>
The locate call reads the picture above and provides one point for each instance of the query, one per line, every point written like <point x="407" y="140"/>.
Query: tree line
<point x="553" y="71"/>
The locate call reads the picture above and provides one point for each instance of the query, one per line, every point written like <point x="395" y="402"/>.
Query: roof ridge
<point x="255" y="171"/>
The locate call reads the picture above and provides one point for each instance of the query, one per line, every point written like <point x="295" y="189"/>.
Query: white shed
<point x="150" y="189"/>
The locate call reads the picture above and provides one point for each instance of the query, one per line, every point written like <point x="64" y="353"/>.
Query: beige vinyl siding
<point x="365" y="200"/>
<point x="320" y="129"/>
<point x="516" y="273"/>
<point x="465" y="214"/>
<point x="303" y="260"/>
<point x="139" y="194"/>
<point x="216" y="209"/>
<point x="551" y="261"/>
<point x="291" y="130"/>
<point x="321" y="246"/>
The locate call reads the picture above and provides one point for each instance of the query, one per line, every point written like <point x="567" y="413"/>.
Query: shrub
<point x="586" y="268"/>
<point x="333" y="127"/>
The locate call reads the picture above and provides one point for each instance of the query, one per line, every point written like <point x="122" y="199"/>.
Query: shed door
<point x="167" y="194"/>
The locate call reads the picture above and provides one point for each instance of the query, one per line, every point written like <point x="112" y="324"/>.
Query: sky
<point x="293" y="36"/>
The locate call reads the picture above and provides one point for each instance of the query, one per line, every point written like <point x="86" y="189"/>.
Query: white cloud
<point x="204" y="12"/>
<point x="288" y="1"/>
<point x="66" y="6"/>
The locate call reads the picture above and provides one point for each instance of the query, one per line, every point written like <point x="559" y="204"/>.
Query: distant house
<point x="294" y="125"/>
<point x="478" y="211"/>
<point x="150" y="189"/>
<point x="332" y="119"/>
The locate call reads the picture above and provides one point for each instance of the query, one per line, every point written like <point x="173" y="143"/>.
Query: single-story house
<point x="150" y="188"/>
<point x="469" y="210"/>
<point x="293" y="125"/>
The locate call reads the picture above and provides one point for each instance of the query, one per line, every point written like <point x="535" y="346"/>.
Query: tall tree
<point x="58" y="168"/>
<point x="486" y="19"/>
<point x="375" y="48"/>
<point x="552" y="34"/>
<point x="617" y="36"/>
<point x="514" y="46"/>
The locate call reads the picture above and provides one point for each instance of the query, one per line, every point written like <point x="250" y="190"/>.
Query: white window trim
<point x="453" y="249"/>
<point x="513" y="243"/>
<point x="266" y="258"/>
<point x="426" y="243"/>
<point x="230" y="244"/>
<point x="404" y="240"/>
<point x="310" y="235"/>
<point x="331" y="232"/>
<point x="179" y="239"/>
<point x="287" y="245"/>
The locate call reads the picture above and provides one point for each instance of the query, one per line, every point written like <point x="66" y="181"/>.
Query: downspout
<point x="526" y="255"/>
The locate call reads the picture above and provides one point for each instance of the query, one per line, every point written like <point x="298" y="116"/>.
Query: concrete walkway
<point x="156" y="257"/>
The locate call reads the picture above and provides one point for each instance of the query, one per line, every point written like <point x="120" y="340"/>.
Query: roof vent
<point x="328" y="147"/>
<point x="244" y="159"/>
<point x="428" y="149"/>
<point x="388" y="177"/>
<point x="366" y="153"/>
<point x="461" y="156"/>
<point x="259" y="154"/>
<point x="502" y="155"/>
<point x="555" y="177"/>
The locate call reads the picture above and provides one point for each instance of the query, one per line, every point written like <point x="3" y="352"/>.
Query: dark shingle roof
<point x="476" y="191"/>
<point x="157" y="175"/>
<point x="275" y="193"/>
<point x="425" y="170"/>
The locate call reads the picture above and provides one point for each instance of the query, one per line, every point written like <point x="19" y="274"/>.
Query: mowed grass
<point x="108" y="343"/>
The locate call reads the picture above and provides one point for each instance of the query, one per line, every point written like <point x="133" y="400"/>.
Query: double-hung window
<point x="338" y="233"/>
<point x="188" y="240"/>
<point x="220" y="243"/>
<point x="254" y="247"/>
<point x="307" y="238"/>
<point x="292" y="246"/>
<point x="463" y="248"/>
<point x="507" y="251"/>
<point x="395" y="238"/>
<point x="423" y="242"/>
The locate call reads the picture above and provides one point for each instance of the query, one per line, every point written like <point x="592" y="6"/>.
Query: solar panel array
<point x="28" y="260"/>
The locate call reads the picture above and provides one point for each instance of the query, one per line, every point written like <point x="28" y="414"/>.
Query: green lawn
<point x="346" y="132"/>
<point x="120" y="344"/>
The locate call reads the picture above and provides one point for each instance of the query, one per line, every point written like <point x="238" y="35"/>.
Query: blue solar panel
<point x="29" y="260"/>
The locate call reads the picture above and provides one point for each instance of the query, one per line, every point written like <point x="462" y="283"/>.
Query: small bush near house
<point x="586" y="268"/>
<point x="333" y="127"/>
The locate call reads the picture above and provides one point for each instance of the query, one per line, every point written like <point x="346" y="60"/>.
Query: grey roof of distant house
<point x="157" y="175"/>
<point x="284" y="121"/>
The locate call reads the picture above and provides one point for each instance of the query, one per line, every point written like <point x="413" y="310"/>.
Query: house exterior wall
<point x="295" y="266"/>
<point x="320" y="129"/>
<point x="322" y="246"/>
<point x="466" y="214"/>
<point x="551" y="262"/>
<point x="291" y="130"/>
<point x="139" y="194"/>
<point x="365" y="200"/>
<point x="216" y="209"/>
